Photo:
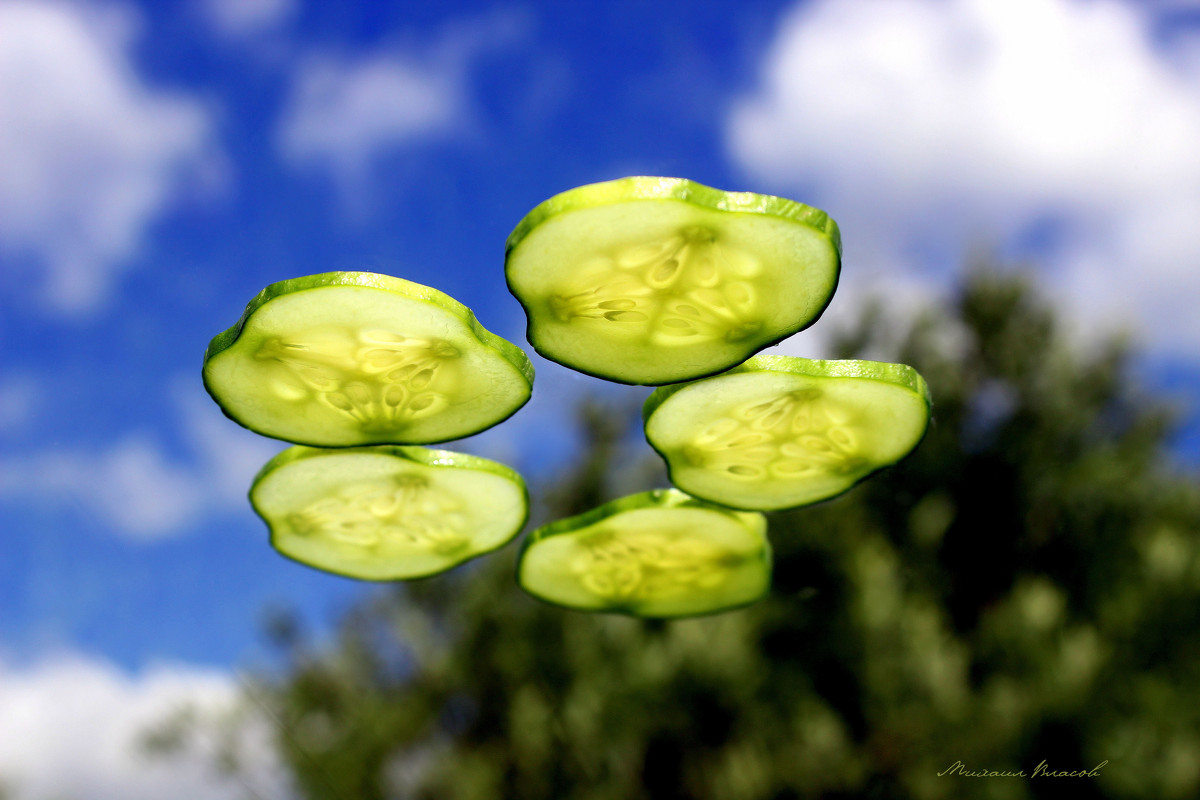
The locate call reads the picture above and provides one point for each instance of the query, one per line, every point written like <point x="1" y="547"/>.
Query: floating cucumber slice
<point x="387" y="513"/>
<point x="656" y="280"/>
<point x="353" y="358"/>
<point x="654" y="554"/>
<point x="779" y="432"/>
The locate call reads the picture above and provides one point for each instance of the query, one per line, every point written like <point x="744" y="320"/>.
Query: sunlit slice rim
<point x="658" y="554"/>
<point x="355" y="358"/>
<point x="649" y="280"/>
<point x="387" y="513"/>
<point x="780" y="432"/>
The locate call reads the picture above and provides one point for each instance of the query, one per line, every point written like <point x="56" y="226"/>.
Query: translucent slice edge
<point x="427" y="461"/>
<point x="749" y="574"/>
<point x="563" y="340"/>
<point x="510" y="362"/>
<point x="389" y="283"/>
<point x="647" y="187"/>
<point x="726" y="493"/>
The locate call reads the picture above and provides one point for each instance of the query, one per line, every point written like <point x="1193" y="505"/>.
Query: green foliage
<point x="1024" y="587"/>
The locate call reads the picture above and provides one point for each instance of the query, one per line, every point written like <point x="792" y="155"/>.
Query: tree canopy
<point x="1022" y="589"/>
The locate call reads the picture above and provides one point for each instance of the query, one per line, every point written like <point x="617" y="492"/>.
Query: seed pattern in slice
<point x="387" y="513"/>
<point x="667" y="292"/>
<point x="655" y="554"/>
<point x="657" y="280"/>
<point x="403" y="511"/>
<point x="377" y="378"/>
<point x="354" y="358"/>
<point x="779" y="432"/>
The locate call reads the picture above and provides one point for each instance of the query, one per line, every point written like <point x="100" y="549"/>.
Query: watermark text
<point x="1042" y="770"/>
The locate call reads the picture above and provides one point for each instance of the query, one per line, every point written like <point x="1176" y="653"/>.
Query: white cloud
<point x="227" y="455"/>
<point x="132" y="486"/>
<point x="72" y="728"/>
<point x="90" y="154"/>
<point x="927" y="126"/>
<point x="135" y="487"/>
<point x="18" y="397"/>
<point x="346" y="111"/>
<point x="237" y="19"/>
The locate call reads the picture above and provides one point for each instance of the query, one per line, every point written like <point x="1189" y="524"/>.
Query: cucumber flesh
<point x="352" y="358"/>
<point x="658" y="280"/>
<point x="780" y="432"/>
<point x="655" y="554"/>
<point x="387" y="513"/>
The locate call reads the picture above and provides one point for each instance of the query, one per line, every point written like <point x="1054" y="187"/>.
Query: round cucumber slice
<point x="657" y="280"/>
<point x="779" y="432"/>
<point x="387" y="513"/>
<point x="354" y="358"/>
<point x="654" y="554"/>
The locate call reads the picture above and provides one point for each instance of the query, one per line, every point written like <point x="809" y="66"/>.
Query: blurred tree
<point x="1024" y="588"/>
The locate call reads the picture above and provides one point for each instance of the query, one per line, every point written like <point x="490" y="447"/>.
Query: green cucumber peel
<point x="422" y="512"/>
<point x="897" y="374"/>
<point x="751" y="566"/>
<point x="425" y="456"/>
<point x="808" y="438"/>
<point x="645" y="187"/>
<point x="415" y="291"/>
<point x="652" y="281"/>
<point x="308" y="376"/>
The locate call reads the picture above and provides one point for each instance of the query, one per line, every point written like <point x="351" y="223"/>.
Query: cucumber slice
<point x="654" y="554"/>
<point x="354" y="358"/>
<point x="387" y="513"/>
<point x="780" y="432"/>
<point x="657" y="280"/>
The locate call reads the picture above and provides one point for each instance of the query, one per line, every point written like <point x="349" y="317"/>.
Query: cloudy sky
<point x="161" y="162"/>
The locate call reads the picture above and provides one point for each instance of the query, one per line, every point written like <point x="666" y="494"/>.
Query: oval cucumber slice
<point x="779" y="432"/>
<point x="654" y="554"/>
<point x="649" y="280"/>
<point x="353" y="358"/>
<point x="387" y="513"/>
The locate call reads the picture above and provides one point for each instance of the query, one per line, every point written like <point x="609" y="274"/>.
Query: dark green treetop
<point x="1024" y="588"/>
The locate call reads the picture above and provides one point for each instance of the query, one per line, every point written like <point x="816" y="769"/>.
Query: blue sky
<point x="162" y="162"/>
